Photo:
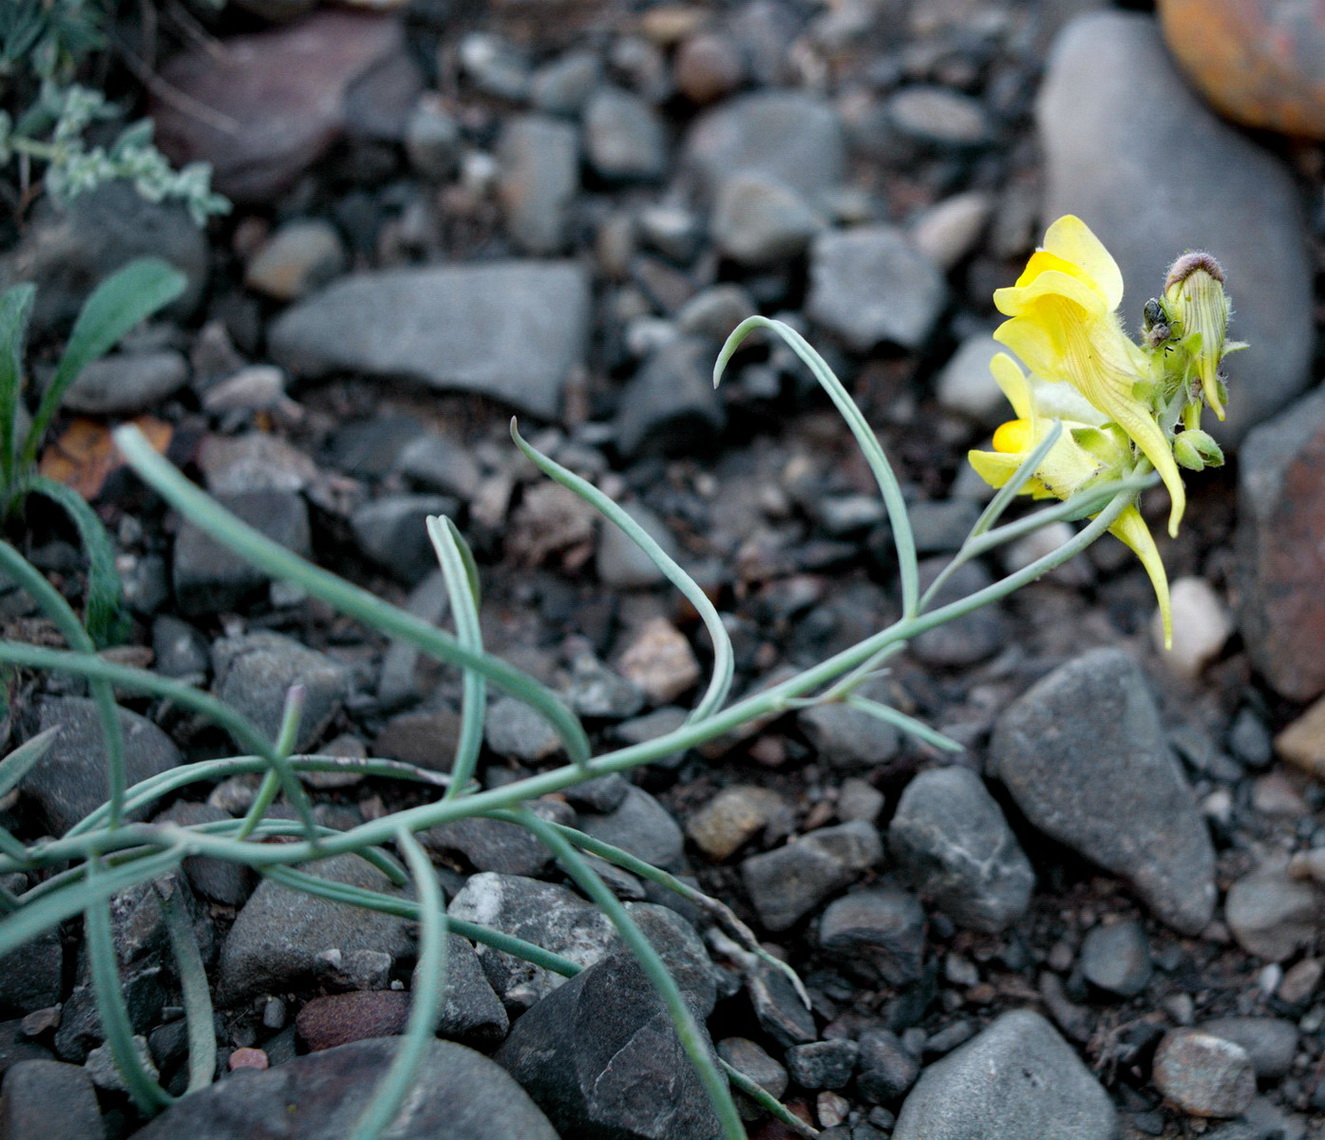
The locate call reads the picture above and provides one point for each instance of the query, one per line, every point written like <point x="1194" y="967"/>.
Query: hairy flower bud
<point x="1198" y="306"/>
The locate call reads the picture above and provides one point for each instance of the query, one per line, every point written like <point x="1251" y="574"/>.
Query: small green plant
<point x="45" y="116"/>
<point x="127" y="297"/>
<point x="80" y="872"/>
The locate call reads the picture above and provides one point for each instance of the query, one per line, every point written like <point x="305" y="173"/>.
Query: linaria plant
<point x="1093" y="457"/>
<point x="123" y="300"/>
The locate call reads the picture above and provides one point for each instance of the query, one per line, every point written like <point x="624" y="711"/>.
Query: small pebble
<point x="1204" y="1075"/>
<point x="1201" y="626"/>
<point x="248" y="1058"/>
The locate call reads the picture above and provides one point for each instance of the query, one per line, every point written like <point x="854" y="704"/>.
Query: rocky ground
<point x="1102" y="919"/>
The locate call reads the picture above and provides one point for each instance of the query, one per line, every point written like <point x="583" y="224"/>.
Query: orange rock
<point x="1260" y="62"/>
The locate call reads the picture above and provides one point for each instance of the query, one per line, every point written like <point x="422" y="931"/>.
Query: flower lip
<point x="1188" y="264"/>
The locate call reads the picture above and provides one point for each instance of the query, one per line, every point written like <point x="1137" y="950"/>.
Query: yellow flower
<point x="1086" y="451"/>
<point x="1065" y="327"/>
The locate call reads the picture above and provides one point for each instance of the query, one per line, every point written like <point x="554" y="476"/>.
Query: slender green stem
<point x="693" y="1039"/>
<point x="461" y="577"/>
<point x="1025" y="471"/>
<point x="908" y="724"/>
<point x="903" y="538"/>
<point x="276" y="560"/>
<point x="428" y="990"/>
<point x="149" y="1096"/>
<point x="66" y="621"/>
<point x="286" y="737"/>
<point x="724" y="667"/>
<point x="767" y="1101"/>
<point x="193" y="986"/>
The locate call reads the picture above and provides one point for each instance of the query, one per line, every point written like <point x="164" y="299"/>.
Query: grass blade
<point x="276" y="560"/>
<point x="15" y="311"/>
<point x="723" y="667"/>
<point x="124" y="299"/>
<point x="461" y="575"/>
<point x="24" y="758"/>
<point x="868" y="442"/>
<point x="196" y="996"/>
<point x="428" y="990"/>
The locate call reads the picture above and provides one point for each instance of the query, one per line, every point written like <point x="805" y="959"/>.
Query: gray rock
<point x="80" y="1030"/>
<point x="31" y="975"/>
<point x="432" y="138"/>
<point x="1117" y="958"/>
<point x="641" y="826"/>
<point x="1185" y="180"/>
<point x="540" y="175"/>
<point x="596" y="691"/>
<point x="623" y="137"/>
<point x="1281" y="524"/>
<point x="471" y="1013"/>
<point x="70" y="781"/>
<point x="48" y="1100"/>
<point x="735" y="815"/>
<point x="621" y="564"/>
<point x="1084" y="756"/>
<point x="1271" y="914"/>
<point x="393" y="532"/>
<point x="1017" y="1080"/>
<point x="255" y="671"/>
<point x="1270" y="1042"/>
<point x="714" y="312"/>
<point x="822" y="1064"/>
<point x="490" y="845"/>
<point x="949" y="837"/>
<point x="940" y="526"/>
<point x="511" y="331"/>
<point x="299" y="257"/>
<point x="548" y="915"/>
<point x="210" y="578"/>
<point x="848" y="739"/>
<point x="971" y="638"/>
<point x="439" y="464"/>
<point x="870" y="284"/>
<point x="127" y="382"/>
<point x="790" y="138"/>
<point x="602" y="794"/>
<point x="965" y="385"/>
<point x="1203" y="1074"/>
<point x="600" y="1056"/>
<point x="669" y="407"/>
<point x="372" y="448"/>
<point x="458" y="1093"/>
<point x="514" y="729"/>
<point x="564" y="83"/>
<point x="939" y="117"/>
<point x="221" y="880"/>
<point x="16" y="1045"/>
<point x="178" y="649"/>
<point x="753" y="1060"/>
<point x="68" y="248"/>
<point x="886" y="1068"/>
<point x="877" y="933"/>
<point x="279" y="934"/>
<point x="778" y="1007"/>
<point x="759" y="222"/>
<point x="254" y="461"/>
<point x="787" y="883"/>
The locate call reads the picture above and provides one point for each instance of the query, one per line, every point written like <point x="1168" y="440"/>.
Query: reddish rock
<point x="338" y="1019"/>
<point x="248" y="1059"/>
<point x="1260" y="62"/>
<point x="1281" y="545"/>
<point x="266" y="106"/>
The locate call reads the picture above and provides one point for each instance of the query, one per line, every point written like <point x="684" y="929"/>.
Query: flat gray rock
<point x="278" y="936"/>
<point x="49" y="1100"/>
<point x="508" y="330"/>
<point x="458" y="1094"/>
<point x="1017" y="1080"/>
<point x="1131" y="149"/>
<point x="1084" y="755"/>
<point x="70" y="780"/>
<point x="950" y="838"/>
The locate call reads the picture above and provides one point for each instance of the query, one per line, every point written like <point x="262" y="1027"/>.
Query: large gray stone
<point x="457" y="1093"/>
<point x="70" y="779"/>
<point x="278" y="936"/>
<point x="1084" y="755"/>
<point x="600" y="1056"/>
<point x="509" y="330"/>
<point x="949" y="837"/>
<point x="48" y="1100"/>
<point x="1017" y="1080"/>
<point x="1131" y="149"/>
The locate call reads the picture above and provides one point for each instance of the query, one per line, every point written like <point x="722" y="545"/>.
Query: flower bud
<point x="1198" y="306"/>
<point x="1196" y="450"/>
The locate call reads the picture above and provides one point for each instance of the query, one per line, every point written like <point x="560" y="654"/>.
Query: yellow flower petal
<point x="1072" y="240"/>
<point x="994" y="467"/>
<point x="1011" y="381"/>
<point x="1016" y="437"/>
<point x="1130" y="527"/>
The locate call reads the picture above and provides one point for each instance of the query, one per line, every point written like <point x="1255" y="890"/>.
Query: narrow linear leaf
<point x="15" y="312"/>
<point x="908" y="724"/>
<point x="124" y="299"/>
<point x="24" y="758"/>
<point x="193" y="987"/>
